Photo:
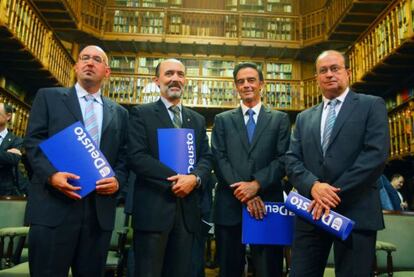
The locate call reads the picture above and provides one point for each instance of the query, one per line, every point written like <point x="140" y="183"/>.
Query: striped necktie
<point x="91" y="123"/>
<point x="251" y="125"/>
<point x="329" y="123"/>
<point x="176" y="118"/>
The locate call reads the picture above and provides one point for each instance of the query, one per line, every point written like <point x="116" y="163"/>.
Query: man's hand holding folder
<point x="59" y="181"/>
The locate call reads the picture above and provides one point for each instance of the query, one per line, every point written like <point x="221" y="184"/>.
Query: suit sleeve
<point x="370" y="162"/>
<point x="140" y="156"/>
<point x="10" y="159"/>
<point x="298" y="174"/>
<point x="218" y="146"/>
<point x="37" y="131"/>
<point x="275" y="171"/>
<point x="205" y="158"/>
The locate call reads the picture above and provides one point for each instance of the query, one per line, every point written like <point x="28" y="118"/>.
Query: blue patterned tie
<point x="329" y="123"/>
<point x="91" y="123"/>
<point x="251" y="125"/>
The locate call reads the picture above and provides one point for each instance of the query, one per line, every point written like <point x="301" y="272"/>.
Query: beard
<point x="174" y="94"/>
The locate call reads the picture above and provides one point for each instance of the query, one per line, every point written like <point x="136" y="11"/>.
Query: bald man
<point x="67" y="231"/>
<point x="165" y="213"/>
<point x="337" y="152"/>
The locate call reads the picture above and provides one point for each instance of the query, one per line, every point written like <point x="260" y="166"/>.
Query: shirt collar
<point x="168" y="104"/>
<point x="81" y="93"/>
<point x="3" y="133"/>
<point x="256" y="108"/>
<point x="341" y="98"/>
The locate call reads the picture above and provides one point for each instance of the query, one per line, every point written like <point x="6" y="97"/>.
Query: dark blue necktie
<point x="250" y="125"/>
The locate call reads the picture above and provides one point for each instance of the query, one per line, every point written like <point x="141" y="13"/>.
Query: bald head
<point x="95" y="48"/>
<point x="157" y="69"/>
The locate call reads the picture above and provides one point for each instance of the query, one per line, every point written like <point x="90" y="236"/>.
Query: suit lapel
<point x="262" y="123"/>
<point x="346" y="110"/>
<point x="187" y="120"/>
<point x="238" y="121"/>
<point x="7" y="141"/>
<point x="108" y="112"/>
<point x="70" y="99"/>
<point x="316" y="126"/>
<point x="163" y="115"/>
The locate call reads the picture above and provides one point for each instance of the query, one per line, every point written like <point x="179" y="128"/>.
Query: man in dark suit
<point x="337" y="153"/>
<point x="165" y="213"/>
<point x="67" y="230"/>
<point x="10" y="154"/>
<point x="249" y="169"/>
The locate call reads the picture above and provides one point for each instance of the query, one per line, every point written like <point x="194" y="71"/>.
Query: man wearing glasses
<point x="337" y="152"/>
<point x="67" y="231"/>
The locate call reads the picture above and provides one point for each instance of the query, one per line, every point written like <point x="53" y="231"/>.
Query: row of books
<point x="380" y="42"/>
<point x="399" y="98"/>
<point x="199" y="67"/>
<point x="401" y="131"/>
<point x="202" y="92"/>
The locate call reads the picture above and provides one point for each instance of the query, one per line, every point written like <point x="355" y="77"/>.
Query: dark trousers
<point x="167" y="253"/>
<point x="267" y="259"/>
<point x="353" y="257"/>
<point x="78" y="242"/>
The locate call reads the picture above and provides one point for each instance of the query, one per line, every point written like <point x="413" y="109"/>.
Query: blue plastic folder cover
<point x="334" y="223"/>
<point x="176" y="149"/>
<point x="275" y="228"/>
<point x="72" y="150"/>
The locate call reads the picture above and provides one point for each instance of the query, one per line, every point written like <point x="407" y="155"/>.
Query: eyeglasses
<point x="332" y="68"/>
<point x="95" y="59"/>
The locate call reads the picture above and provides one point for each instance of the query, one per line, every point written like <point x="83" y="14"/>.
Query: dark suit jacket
<point x="237" y="161"/>
<point x="8" y="164"/>
<point x="53" y="110"/>
<point x="354" y="160"/>
<point x="154" y="202"/>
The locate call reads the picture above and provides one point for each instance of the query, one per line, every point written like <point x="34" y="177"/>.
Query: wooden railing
<point x="387" y="33"/>
<point x="308" y="28"/>
<point x="188" y="22"/>
<point x="314" y="26"/>
<point x="23" y="20"/>
<point x="401" y="131"/>
<point x="311" y="92"/>
<point x="335" y="10"/>
<point x="75" y="6"/>
<point x="20" y="112"/>
<point x="203" y="92"/>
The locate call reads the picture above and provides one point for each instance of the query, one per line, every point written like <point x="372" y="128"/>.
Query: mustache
<point x="175" y="84"/>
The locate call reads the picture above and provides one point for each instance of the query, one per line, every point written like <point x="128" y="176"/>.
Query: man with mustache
<point x="337" y="153"/>
<point x="249" y="144"/>
<point x="67" y="231"/>
<point x="165" y="212"/>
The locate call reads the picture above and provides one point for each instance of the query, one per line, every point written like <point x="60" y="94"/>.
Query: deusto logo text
<point x="99" y="163"/>
<point x="330" y="220"/>
<point x="191" y="154"/>
<point x="278" y="209"/>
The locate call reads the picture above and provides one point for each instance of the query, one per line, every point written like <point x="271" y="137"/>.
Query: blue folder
<point x="275" y="228"/>
<point x="176" y="149"/>
<point x="73" y="150"/>
<point x="336" y="224"/>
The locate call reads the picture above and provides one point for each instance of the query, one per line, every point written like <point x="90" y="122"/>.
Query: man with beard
<point x="165" y="213"/>
<point x="65" y="229"/>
